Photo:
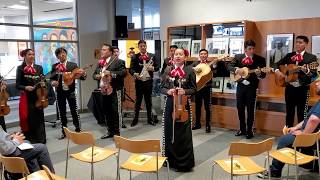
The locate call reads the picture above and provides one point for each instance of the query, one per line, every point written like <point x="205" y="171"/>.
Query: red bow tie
<point x="102" y="62"/>
<point x="29" y="70"/>
<point x="177" y="72"/>
<point x="171" y="61"/>
<point x="144" y="57"/>
<point x="298" y="57"/>
<point x="247" y="61"/>
<point x="61" y="68"/>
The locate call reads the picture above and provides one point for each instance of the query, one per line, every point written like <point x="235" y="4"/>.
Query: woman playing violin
<point x="31" y="117"/>
<point x="178" y="81"/>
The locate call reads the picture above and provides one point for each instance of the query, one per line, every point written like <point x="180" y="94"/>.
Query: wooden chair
<point x="139" y="161"/>
<point x="91" y="155"/>
<point x="244" y="165"/>
<point x="293" y="157"/>
<point x="50" y="175"/>
<point x="18" y="165"/>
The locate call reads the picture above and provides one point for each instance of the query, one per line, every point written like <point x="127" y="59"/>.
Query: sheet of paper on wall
<point x="25" y="146"/>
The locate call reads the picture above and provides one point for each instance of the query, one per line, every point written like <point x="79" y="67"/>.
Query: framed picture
<point x="21" y="46"/>
<point x="229" y="86"/>
<point x="315" y="43"/>
<point x="236" y="46"/>
<point x="195" y="48"/>
<point x="217" y="46"/>
<point x="278" y="45"/>
<point x="156" y="35"/>
<point x="236" y="31"/>
<point x="147" y="35"/>
<point x="182" y="43"/>
<point x="217" y="84"/>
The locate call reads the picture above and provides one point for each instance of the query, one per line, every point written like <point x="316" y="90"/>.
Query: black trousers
<point x="296" y="97"/>
<point x="246" y="98"/>
<point x="143" y="89"/>
<point x="3" y="123"/>
<point x="111" y="115"/>
<point x="205" y="95"/>
<point x="62" y="97"/>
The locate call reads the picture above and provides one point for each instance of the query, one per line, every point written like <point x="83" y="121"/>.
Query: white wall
<point x="96" y="26"/>
<point x="175" y="12"/>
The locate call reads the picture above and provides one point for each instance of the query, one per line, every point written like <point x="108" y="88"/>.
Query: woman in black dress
<point x="177" y="134"/>
<point x="31" y="117"/>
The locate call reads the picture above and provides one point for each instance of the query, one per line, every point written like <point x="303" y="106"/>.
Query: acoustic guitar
<point x="290" y="72"/>
<point x="247" y="72"/>
<point x="203" y="71"/>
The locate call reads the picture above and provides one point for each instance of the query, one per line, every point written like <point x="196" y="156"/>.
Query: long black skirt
<point x="36" y="132"/>
<point x="177" y="147"/>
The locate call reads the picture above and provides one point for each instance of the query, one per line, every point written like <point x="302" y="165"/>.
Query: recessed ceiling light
<point x="67" y="1"/>
<point x="17" y="6"/>
<point x="22" y="2"/>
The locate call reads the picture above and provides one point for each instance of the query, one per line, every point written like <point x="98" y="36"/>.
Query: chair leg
<point x="288" y="172"/>
<point x="130" y="175"/>
<point x="1" y="171"/>
<point x="158" y="175"/>
<point x="168" y="168"/>
<point x="296" y="172"/>
<point x="248" y="177"/>
<point x="212" y="171"/>
<point x="92" y="172"/>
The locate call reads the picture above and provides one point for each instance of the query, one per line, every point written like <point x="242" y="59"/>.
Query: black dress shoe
<point x="240" y="133"/>
<point x="249" y="135"/>
<point x="208" y="129"/>
<point x="196" y="127"/>
<point x="62" y="136"/>
<point x="107" y="136"/>
<point x="123" y="126"/>
<point x="151" y="122"/>
<point x="77" y="130"/>
<point x="134" y="122"/>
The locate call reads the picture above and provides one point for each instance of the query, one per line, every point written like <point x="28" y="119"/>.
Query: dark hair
<point x="142" y="41"/>
<point x="64" y="33"/>
<point x="59" y="50"/>
<point x="249" y="42"/>
<point x="23" y="53"/>
<point x="304" y="38"/>
<point x="109" y="46"/>
<point x="203" y="50"/>
<point x="174" y="46"/>
<point x="115" y="47"/>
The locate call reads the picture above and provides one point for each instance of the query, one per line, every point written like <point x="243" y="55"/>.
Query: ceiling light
<point x="17" y="6"/>
<point x="22" y="2"/>
<point x="67" y="1"/>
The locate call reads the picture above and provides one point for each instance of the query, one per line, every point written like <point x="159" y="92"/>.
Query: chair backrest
<point x="137" y="146"/>
<point x="48" y="172"/>
<point x="80" y="138"/>
<point x="305" y="140"/>
<point x="250" y="149"/>
<point x="15" y="165"/>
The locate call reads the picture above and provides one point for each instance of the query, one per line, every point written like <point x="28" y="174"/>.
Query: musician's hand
<point x="55" y="83"/>
<point x="81" y="72"/>
<point x="170" y="92"/>
<point x="181" y="91"/>
<point x="137" y="76"/>
<point x="29" y="88"/>
<point x="239" y="71"/>
<point x="106" y="73"/>
<point x="98" y="76"/>
<point x="150" y="68"/>
<point x="258" y="72"/>
<point x="279" y="73"/>
<point x="18" y="136"/>
<point x="197" y="70"/>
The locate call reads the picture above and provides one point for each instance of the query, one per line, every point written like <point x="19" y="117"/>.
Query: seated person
<point x="310" y="124"/>
<point x="35" y="157"/>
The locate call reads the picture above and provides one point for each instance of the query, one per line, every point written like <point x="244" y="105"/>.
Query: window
<point x="14" y="11"/>
<point x="151" y="13"/>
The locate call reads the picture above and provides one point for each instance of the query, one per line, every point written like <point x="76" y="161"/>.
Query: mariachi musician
<point x="247" y="88"/>
<point x="3" y="87"/>
<point x="297" y="92"/>
<point x="31" y="117"/>
<point x="142" y="69"/>
<point x="204" y="94"/>
<point x="178" y="82"/>
<point x="64" y="91"/>
<point x="169" y="60"/>
<point x="109" y="73"/>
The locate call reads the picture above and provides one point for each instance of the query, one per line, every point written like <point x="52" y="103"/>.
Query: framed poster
<point x="217" y="46"/>
<point x="315" y="43"/>
<point x="147" y="35"/>
<point x="229" y="86"/>
<point x="217" y="84"/>
<point x="278" y="45"/>
<point x="182" y="43"/>
<point x="236" y="46"/>
<point x="195" y="48"/>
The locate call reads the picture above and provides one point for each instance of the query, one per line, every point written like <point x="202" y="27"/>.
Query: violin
<point x="42" y="94"/>
<point x="4" y="96"/>
<point x="69" y="77"/>
<point x="106" y="88"/>
<point x="180" y="112"/>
